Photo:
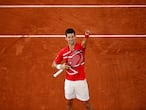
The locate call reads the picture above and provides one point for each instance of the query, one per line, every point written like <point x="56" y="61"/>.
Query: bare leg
<point x="87" y="105"/>
<point x="69" y="104"/>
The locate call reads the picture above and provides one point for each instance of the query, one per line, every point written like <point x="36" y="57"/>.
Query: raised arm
<point x="85" y="39"/>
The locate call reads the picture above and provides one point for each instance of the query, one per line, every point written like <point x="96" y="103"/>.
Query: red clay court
<point x="115" y="66"/>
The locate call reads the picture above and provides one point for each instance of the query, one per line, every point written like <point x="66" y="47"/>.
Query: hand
<point x="87" y="33"/>
<point x="65" y="66"/>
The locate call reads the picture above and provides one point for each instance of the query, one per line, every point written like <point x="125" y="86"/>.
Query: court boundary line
<point x="60" y="36"/>
<point x="73" y="6"/>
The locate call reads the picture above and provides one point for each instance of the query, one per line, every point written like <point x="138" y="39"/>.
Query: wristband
<point x="58" y="66"/>
<point x="86" y="36"/>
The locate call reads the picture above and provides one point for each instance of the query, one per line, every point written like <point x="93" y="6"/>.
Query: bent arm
<point x="85" y="39"/>
<point x="60" y="66"/>
<point x="84" y="42"/>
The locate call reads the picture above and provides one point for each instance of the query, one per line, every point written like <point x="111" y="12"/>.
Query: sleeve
<point x="58" y="58"/>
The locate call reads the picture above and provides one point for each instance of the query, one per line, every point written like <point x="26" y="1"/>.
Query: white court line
<point x="72" y="6"/>
<point x="59" y="36"/>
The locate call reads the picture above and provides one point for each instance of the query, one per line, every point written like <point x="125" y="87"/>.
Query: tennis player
<point x="75" y="85"/>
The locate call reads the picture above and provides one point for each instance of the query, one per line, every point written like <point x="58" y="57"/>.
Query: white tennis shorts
<point x="76" y="89"/>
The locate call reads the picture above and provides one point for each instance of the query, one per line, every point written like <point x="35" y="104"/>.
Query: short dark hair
<point x="70" y="30"/>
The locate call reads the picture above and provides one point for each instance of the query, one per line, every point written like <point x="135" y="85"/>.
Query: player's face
<point x="70" y="38"/>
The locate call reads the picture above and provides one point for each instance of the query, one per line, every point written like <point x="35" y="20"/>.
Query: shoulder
<point x="78" y="46"/>
<point x="63" y="50"/>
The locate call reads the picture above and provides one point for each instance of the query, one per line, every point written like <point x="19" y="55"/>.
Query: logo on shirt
<point x="74" y="59"/>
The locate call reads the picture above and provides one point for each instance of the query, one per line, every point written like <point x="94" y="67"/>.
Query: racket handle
<point x="57" y="73"/>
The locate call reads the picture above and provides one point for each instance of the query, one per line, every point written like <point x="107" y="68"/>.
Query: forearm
<point x="54" y="64"/>
<point x="85" y="39"/>
<point x="57" y="66"/>
<point x="60" y="66"/>
<point x="84" y="42"/>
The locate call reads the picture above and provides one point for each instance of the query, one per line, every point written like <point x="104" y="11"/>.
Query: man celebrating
<point x="75" y="85"/>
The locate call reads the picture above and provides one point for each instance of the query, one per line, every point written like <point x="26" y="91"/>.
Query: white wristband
<point x="58" y="66"/>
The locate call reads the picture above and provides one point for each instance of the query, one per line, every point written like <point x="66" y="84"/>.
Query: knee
<point x="69" y="102"/>
<point x="87" y="105"/>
